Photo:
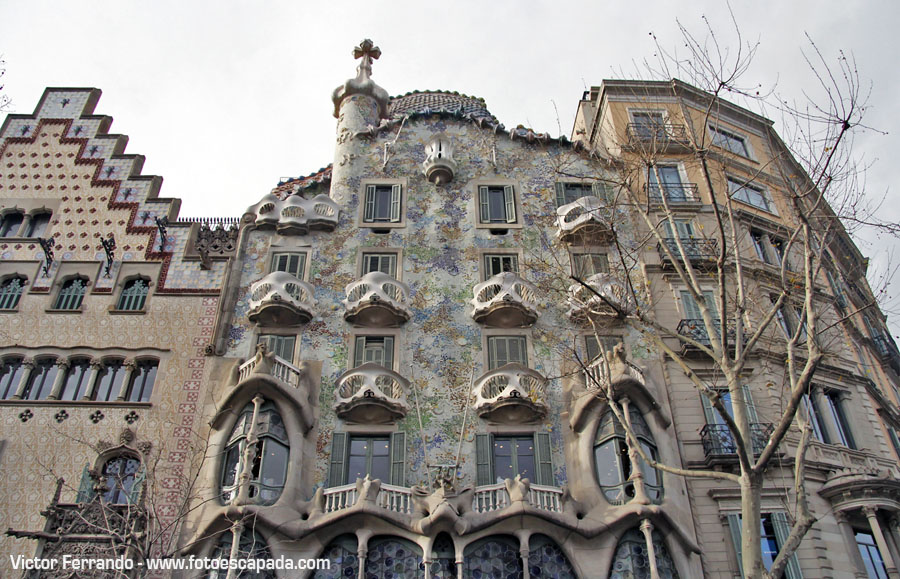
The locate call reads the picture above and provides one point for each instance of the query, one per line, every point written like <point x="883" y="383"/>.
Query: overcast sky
<point x="223" y="98"/>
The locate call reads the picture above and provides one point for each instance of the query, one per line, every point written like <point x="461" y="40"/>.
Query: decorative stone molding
<point x="294" y="215"/>
<point x="377" y="300"/>
<point x="604" y="296"/>
<point x="280" y="299"/>
<point x="511" y="394"/>
<point x="219" y="242"/>
<point x="587" y="217"/>
<point x="371" y="394"/>
<point x="505" y="301"/>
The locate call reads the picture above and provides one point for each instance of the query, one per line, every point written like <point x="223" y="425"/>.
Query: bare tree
<point x="5" y="101"/>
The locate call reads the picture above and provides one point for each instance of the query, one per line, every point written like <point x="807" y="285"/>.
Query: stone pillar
<point x="62" y="372"/>
<point x="361" y="554"/>
<point x="28" y="364"/>
<point x="851" y="547"/>
<point x="96" y="366"/>
<point x="130" y="367"/>
<point x="26" y="224"/>
<point x="872" y="514"/>
<point x="523" y="554"/>
<point x="647" y="530"/>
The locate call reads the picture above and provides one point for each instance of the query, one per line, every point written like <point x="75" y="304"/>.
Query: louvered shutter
<point x="398" y="459"/>
<point x="484" y="202"/>
<point x="389" y="352"/>
<point x="337" y="464"/>
<point x="734" y="525"/>
<point x="395" y="203"/>
<point x="542" y="458"/>
<point x="359" y="355"/>
<point x="484" y="462"/>
<point x="510" y="201"/>
<point x="560" y="194"/>
<point x="85" y="487"/>
<point x="369" y="211"/>
<point x="782" y="530"/>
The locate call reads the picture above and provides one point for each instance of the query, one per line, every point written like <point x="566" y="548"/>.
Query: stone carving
<point x="363" y="84"/>
<point x="219" y="241"/>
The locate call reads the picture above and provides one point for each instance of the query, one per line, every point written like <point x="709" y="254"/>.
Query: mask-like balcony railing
<point x="371" y="394"/>
<point x="389" y="497"/>
<point x="377" y="300"/>
<point x="511" y="394"/>
<point x="295" y="215"/>
<point x="505" y="301"/>
<point x="600" y="373"/>
<point x="656" y="135"/>
<point x="674" y="193"/>
<point x="272" y="366"/>
<point x="280" y="299"/>
<point x="718" y="441"/>
<point x="613" y="298"/>
<point x="495" y="497"/>
<point x="584" y="218"/>
<point x="700" y="252"/>
<point x="696" y="330"/>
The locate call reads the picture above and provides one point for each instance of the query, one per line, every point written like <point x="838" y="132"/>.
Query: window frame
<point x="514" y="202"/>
<point x="339" y="462"/>
<point x="237" y="442"/>
<point x="11" y="370"/>
<point x="83" y="385"/>
<point x="146" y="388"/>
<point x="279" y="338"/>
<point x="112" y="394"/>
<point x="602" y="190"/>
<point x="576" y="254"/>
<point x="737" y="188"/>
<point x="687" y="196"/>
<point x="304" y="262"/>
<point x="11" y="231"/>
<point x="645" y="136"/>
<point x="486" y="473"/>
<point x="46" y="370"/>
<point x="781" y="527"/>
<point x="490" y="337"/>
<point x="366" y="253"/>
<point x="10" y="298"/>
<point x="58" y="299"/>
<point x="134" y="297"/>
<point x="361" y="339"/>
<point x="717" y="134"/>
<point x="615" y="439"/>
<point x="397" y="218"/>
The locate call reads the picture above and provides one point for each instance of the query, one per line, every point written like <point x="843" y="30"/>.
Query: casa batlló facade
<point x="386" y="363"/>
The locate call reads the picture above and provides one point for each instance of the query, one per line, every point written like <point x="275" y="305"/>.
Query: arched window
<point x="77" y="379"/>
<point x="613" y="466"/>
<point x="11" y="371"/>
<point x="71" y="294"/>
<point x="493" y="557"/>
<point x="251" y="546"/>
<point x="631" y="560"/>
<point x="344" y="562"/>
<point x="142" y="380"/>
<point x="40" y="382"/>
<point x="394" y="557"/>
<point x="123" y="477"/>
<point x="38" y="224"/>
<point x="134" y="295"/>
<point x="546" y="559"/>
<point x="109" y="380"/>
<point x="268" y="469"/>
<point x="10" y="291"/>
<point x="443" y="558"/>
<point x="10" y="223"/>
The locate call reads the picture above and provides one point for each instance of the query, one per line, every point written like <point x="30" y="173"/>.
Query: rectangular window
<point x="383" y="457"/>
<point x="513" y="455"/>
<point x="281" y="346"/>
<point x="499" y="457"/>
<point x="383" y="262"/>
<point x="369" y="456"/>
<point x="497" y="204"/>
<point x="498" y="263"/>
<point x="649" y="124"/>
<point x="570" y="192"/>
<point x="683" y="227"/>
<point x="382" y="204"/>
<point x="759" y="244"/>
<point x="751" y="195"/>
<point x="871" y="556"/>
<point x="375" y="350"/>
<point x="729" y="141"/>
<point x="666" y="180"/>
<point x="692" y="310"/>
<point x="587" y="264"/>
<point x="292" y="263"/>
<point x="774" y="531"/>
<point x="592" y="345"/>
<point x="503" y="350"/>
<point x="834" y="409"/>
<point x="815" y="419"/>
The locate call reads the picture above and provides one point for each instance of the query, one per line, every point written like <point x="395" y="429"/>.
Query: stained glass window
<point x="631" y="561"/>
<point x="344" y="562"/>
<point x="546" y="559"/>
<point x="495" y="558"/>
<point x="394" y="559"/>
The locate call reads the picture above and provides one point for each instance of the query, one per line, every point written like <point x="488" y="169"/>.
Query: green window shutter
<point x="782" y="530"/>
<point x="85" y="487"/>
<point x="709" y="412"/>
<point x="542" y="458"/>
<point x="560" y="194"/>
<point x="691" y="309"/>
<point x="484" y="463"/>
<point x="734" y="525"/>
<point x="134" y="495"/>
<point x="337" y="464"/>
<point x="685" y="229"/>
<point x="510" y="200"/>
<point x="398" y="459"/>
<point x="359" y="354"/>
<point x="751" y="407"/>
<point x="395" y="203"/>
<point x="389" y="352"/>
<point x="369" y="211"/>
<point x="484" y="202"/>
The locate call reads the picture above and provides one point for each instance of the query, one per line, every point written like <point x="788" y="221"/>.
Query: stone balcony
<point x="270" y="365"/>
<point x="585" y="219"/>
<point x="605" y="296"/>
<point x="280" y="299"/>
<point x="505" y="301"/>
<point x="371" y="394"/>
<point x="294" y="215"/>
<point x="376" y="301"/>
<point x="511" y="394"/>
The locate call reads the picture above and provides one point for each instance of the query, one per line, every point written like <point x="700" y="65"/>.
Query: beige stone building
<point x="388" y="364"/>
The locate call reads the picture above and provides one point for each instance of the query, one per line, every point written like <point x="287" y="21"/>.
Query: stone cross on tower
<point x="368" y="52"/>
<point x="363" y="84"/>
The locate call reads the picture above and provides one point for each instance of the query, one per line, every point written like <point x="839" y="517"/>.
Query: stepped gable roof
<point x="293" y="185"/>
<point x="425" y="102"/>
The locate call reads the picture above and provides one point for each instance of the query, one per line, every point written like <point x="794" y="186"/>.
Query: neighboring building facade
<point x="372" y="365"/>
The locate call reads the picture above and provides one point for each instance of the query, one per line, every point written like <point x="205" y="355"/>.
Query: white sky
<point x="223" y="98"/>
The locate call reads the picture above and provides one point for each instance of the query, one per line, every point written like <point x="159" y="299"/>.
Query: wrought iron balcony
<point x="280" y="299"/>
<point x="371" y="394"/>
<point x="511" y="394"/>
<point x="377" y="300"/>
<point x="587" y="217"/>
<point x="887" y="351"/>
<point x="613" y="299"/>
<point x="295" y="215"/>
<point x="674" y="193"/>
<point x="696" y="330"/>
<point x="700" y="252"/>
<point x="505" y="301"/>
<point x="718" y="441"/>
<point x="657" y="134"/>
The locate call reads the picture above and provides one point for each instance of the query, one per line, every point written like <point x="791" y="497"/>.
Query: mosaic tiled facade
<point x="384" y="364"/>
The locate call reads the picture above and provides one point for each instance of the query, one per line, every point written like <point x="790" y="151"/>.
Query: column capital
<point x="870" y="511"/>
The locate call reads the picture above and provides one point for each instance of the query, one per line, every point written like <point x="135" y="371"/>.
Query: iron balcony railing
<point x="674" y="192"/>
<point x="658" y="132"/>
<point x="717" y="439"/>
<point x="695" y="249"/>
<point x="696" y="330"/>
<point x="884" y="346"/>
